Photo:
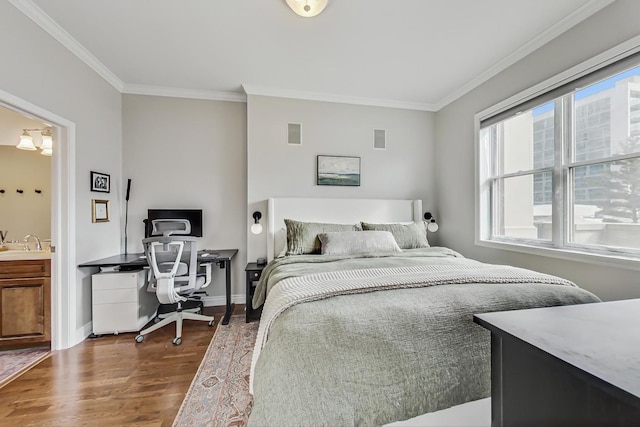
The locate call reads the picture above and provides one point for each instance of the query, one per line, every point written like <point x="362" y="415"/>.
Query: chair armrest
<point x="207" y="266"/>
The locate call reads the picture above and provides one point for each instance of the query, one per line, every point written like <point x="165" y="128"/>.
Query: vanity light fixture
<point x="26" y="141"/>
<point x="307" y="8"/>
<point x="432" y="225"/>
<point x="256" y="227"/>
<point x="47" y="142"/>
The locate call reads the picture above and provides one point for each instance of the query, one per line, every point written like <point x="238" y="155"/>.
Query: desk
<point x="221" y="257"/>
<point x="565" y="366"/>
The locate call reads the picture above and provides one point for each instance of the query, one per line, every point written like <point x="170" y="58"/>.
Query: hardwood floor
<point x="111" y="380"/>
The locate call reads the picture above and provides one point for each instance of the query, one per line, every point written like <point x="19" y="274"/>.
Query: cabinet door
<point x="25" y="305"/>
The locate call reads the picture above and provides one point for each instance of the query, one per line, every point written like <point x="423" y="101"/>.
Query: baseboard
<point x="213" y="301"/>
<point x="82" y="333"/>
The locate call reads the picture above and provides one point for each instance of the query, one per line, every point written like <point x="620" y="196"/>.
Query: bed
<point x="366" y="334"/>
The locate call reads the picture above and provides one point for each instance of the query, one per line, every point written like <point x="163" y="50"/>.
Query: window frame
<point x="564" y="164"/>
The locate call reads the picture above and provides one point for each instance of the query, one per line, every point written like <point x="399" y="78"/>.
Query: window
<point x="561" y="170"/>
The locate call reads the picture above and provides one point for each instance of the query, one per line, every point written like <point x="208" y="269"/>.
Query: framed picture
<point x="99" y="210"/>
<point x="100" y="182"/>
<point x="338" y="170"/>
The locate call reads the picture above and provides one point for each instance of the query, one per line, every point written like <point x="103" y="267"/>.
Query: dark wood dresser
<point x="565" y="366"/>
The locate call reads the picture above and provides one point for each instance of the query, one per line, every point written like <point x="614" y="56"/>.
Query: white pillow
<point x="280" y="241"/>
<point x="357" y="242"/>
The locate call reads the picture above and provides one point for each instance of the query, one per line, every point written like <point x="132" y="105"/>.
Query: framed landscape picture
<point x="338" y="170"/>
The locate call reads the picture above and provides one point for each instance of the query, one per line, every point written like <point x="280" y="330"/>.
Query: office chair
<point x="174" y="281"/>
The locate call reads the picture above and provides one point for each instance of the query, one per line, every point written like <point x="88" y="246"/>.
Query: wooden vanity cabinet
<point x="25" y="303"/>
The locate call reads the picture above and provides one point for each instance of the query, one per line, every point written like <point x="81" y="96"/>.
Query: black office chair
<point x="175" y="281"/>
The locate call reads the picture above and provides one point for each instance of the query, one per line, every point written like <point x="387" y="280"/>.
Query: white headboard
<point x="338" y="211"/>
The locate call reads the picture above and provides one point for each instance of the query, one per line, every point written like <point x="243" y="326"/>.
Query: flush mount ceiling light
<point x="307" y="8"/>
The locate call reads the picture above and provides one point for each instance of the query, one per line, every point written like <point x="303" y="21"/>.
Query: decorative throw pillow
<point x="302" y="237"/>
<point x="408" y="236"/>
<point x="357" y="242"/>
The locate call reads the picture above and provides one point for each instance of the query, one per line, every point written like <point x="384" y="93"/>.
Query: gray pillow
<point x="357" y="242"/>
<point x="302" y="237"/>
<point x="408" y="236"/>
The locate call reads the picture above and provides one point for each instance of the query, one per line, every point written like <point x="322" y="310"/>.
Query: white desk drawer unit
<point x="120" y="302"/>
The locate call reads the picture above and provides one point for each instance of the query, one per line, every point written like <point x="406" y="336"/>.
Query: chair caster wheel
<point x="139" y="338"/>
<point x="177" y="341"/>
<point x="211" y="323"/>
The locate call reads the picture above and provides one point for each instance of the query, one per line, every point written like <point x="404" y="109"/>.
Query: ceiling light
<point x="307" y="8"/>
<point x="26" y="142"/>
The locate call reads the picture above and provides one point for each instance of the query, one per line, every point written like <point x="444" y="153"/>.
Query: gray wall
<point x="36" y="68"/>
<point x="189" y="153"/>
<point x="405" y="170"/>
<point x="455" y="148"/>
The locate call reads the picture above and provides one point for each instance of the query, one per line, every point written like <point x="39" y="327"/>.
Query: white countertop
<point x="18" y="255"/>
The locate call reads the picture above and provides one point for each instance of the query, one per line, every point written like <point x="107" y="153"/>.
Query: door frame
<point x="63" y="231"/>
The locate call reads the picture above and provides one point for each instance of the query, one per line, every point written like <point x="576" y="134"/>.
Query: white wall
<point x="37" y="69"/>
<point x="455" y="148"/>
<point x="405" y="170"/>
<point x="189" y="154"/>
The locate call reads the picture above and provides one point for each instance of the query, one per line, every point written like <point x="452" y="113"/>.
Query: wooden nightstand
<point x="253" y="272"/>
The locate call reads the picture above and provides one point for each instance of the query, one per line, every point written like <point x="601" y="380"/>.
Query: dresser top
<point x="602" y="339"/>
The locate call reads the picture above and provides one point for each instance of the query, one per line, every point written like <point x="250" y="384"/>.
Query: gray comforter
<point x="379" y="356"/>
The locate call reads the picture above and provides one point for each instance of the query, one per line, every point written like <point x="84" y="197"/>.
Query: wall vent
<point x="294" y="133"/>
<point x="379" y="139"/>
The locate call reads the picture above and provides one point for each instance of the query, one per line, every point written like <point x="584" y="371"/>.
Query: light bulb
<point x="256" y="228"/>
<point x="432" y="226"/>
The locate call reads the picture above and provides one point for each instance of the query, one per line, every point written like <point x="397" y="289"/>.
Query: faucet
<point x="3" y="236"/>
<point x="26" y="242"/>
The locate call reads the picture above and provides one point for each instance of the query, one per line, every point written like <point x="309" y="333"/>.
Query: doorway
<point x="63" y="269"/>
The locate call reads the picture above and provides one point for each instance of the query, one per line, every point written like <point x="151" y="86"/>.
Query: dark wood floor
<point x="111" y="380"/>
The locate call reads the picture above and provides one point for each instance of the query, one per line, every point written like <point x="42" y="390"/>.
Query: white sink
<point x="19" y="254"/>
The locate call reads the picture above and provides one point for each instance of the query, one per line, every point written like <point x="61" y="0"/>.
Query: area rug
<point x="15" y="362"/>
<point x="219" y="393"/>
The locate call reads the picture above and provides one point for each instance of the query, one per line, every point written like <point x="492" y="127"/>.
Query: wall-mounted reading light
<point x="432" y="225"/>
<point x="256" y="227"/>
<point x="26" y="141"/>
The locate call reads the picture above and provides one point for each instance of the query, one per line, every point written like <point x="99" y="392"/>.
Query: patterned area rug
<point x="15" y="362"/>
<point x="219" y="394"/>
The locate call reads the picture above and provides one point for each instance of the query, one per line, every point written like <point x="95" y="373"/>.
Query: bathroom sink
<point x="19" y="254"/>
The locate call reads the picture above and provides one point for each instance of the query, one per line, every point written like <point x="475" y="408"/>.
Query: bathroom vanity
<point x="25" y="299"/>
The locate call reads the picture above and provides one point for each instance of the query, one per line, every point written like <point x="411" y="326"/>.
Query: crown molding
<point x="324" y="97"/>
<point x="543" y="38"/>
<point x="45" y="22"/>
<point x="174" y="92"/>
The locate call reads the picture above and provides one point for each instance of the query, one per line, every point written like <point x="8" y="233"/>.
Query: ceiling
<point x="418" y="54"/>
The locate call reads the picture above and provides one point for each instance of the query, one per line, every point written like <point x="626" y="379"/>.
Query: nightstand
<point x="253" y="272"/>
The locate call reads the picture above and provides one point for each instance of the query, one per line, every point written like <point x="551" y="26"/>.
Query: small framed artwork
<point x="338" y="170"/>
<point x="100" y="182"/>
<point x="99" y="210"/>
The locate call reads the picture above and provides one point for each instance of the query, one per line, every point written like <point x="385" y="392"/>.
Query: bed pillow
<point x="357" y="242"/>
<point x="408" y="236"/>
<point x="302" y="237"/>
